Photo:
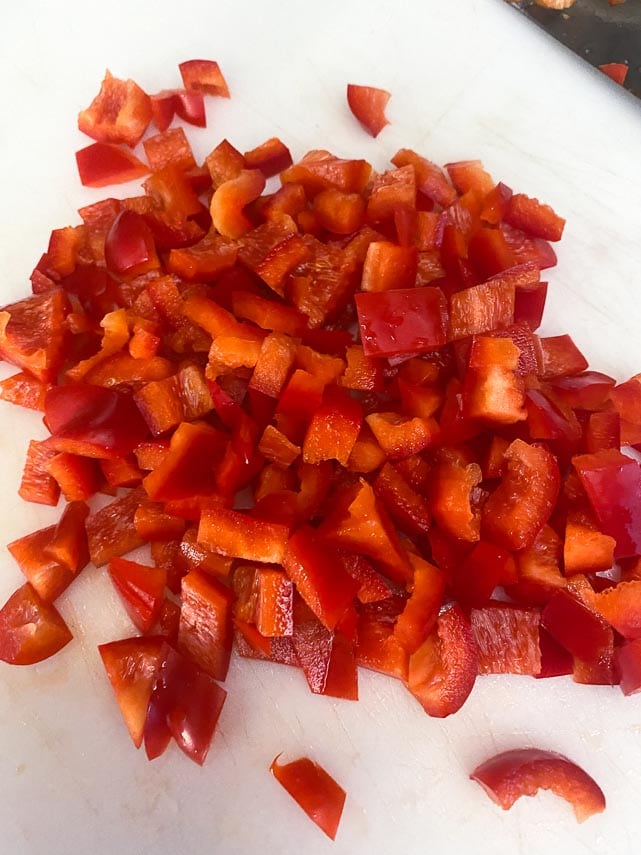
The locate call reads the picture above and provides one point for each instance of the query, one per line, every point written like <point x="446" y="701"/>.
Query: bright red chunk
<point x="316" y="792"/>
<point x="30" y="629"/>
<point x="368" y="105"/>
<point x="402" y="322"/>
<point x="522" y="772"/>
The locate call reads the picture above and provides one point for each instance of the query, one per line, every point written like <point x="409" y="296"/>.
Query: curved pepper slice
<point x="522" y="772"/>
<point x="522" y="503"/>
<point x="443" y="670"/>
<point x="316" y="792"/>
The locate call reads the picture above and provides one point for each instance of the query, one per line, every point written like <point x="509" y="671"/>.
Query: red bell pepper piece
<point x="68" y="544"/>
<point x="360" y="524"/>
<point x="616" y="71"/>
<point x="402" y="322"/>
<point x="400" y="436"/>
<point x="539" y="569"/>
<point x="319" y="576"/>
<point x="338" y="212"/>
<point x="231" y="197"/>
<point x="451" y="497"/>
<point x="132" y="665"/>
<point x="101" y="164"/>
<point x="48" y="576"/>
<point x="30" y="629"/>
<point x="368" y="103"/>
<point x="529" y="304"/>
<point x="268" y="314"/>
<point x="582" y="632"/>
<point x="120" y="113"/>
<point x="273" y="365"/>
<point x="78" y="477"/>
<point x="275" y="603"/>
<point x="407" y="508"/>
<point x="628" y="662"/>
<point x="187" y="469"/>
<point x="443" y="670"/>
<point x="275" y="446"/>
<point x="477" y="574"/>
<point x="129" y="246"/>
<point x="93" y="421"/>
<point x="602" y="431"/>
<point x="141" y="590"/>
<point x="389" y="266"/>
<point x="363" y="373"/>
<point x="238" y="535"/>
<point x="205" y="630"/>
<point x="585" y="548"/>
<point x="507" y="639"/>
<point x="561" y="357"/>
<point x="24" y="391"/>
<point x="271" y="157"/>
<point x="417" y="620"/>
<point x="523" y="248"/>
<point x="204" y="75"/>
<point x="319" y="170"/>
<point x="333" y="429"/>
<point x="390" y="192"/>
<point x="372" y="586"/>
<point x="37" y="484"/>
<point x="111" y="531"/>
<point x="185" y="703"/>
<point x="520" y="506"/>
<point x="532" y="217"/>
<point x="314" y="790"/>
<point x="621" y="607"/>
<point x="169" y="147"/>
<point x="32" y="334"/>
<point x="522" y="772"/>
<point x="327" y="659"/>
<point x="612" y="482"/>
<point x="429" y="178"/>
<point x="183" y="397"/>
<point x="468" y="175"/>
<point x="492" y="389"/>
<point x="481" y="308"/>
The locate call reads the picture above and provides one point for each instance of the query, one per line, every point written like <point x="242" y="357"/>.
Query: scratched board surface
<point x="468" y="79"/>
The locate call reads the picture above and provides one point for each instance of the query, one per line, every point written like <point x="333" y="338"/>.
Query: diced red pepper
<point x="30" y="629"/>
<point x="532" y="217"/>
<point x="621" y="607"/>
<point x="32" y="334"/>
<point x="101" y="164"/>
<point x="492" y="389"/>
<point x="522" y="772"/>
<point x="417" y="620"/>
<point x="429" y="178"/>
<point x="368" y="103"/>
<point x="141" y="590"/>
<point x="617" y="71"/>
<point x="408" y="508"/>
<point x="314" y="790"/>
<point x="120" y="113"/>
<point x="132" y="666"/>
<point x="319" y="576"/>
<point x="507" y="639"/>
<point x="231" y="197"/>
<point x="582" y="632"/>
<point x="111" y="531"/>
<point x="522" y="503"/>
<point x="443" y="670"/>
<point x="628" y="661"/>
<point x="238" y="535"/>
<point x="129" y="246"/>
<point x="205" y="630"/>
<point x="188" y="467"/>
<point x="204" y="75"/>
<point x="333" y="429"/>
<point x="275" y="603"/>
<point x="481" y="308"/>
<point x="23" y="390"/>
<point x="389" y="266"/>
<point x="37" y="485"/>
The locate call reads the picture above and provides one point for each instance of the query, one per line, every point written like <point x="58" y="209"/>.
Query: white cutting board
<point x="469" y="78"/>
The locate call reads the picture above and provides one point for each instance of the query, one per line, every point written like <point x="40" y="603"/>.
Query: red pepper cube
<point x="238" y="535"/>
<point x="187" y="469"/>
<point x="507" y="639"/>
<point x="33" y="334"/>
<point x="120" y="113"/>
<point x="318" y="170"/>
<point x="452" y="484"/>
<point x="481" y="308"/>
<point x="520" y="506"/>
<point x="359" y="523"/>
<point x="338" y="212"/>
<point x="37" y="484"/>
<point x="154" y="524"/>
<point x="581" y="631"/>
<point x="169" y="147"/>
<point x="443" y="670"/>
<point x="391" y="191"/>
<point x="319" y="576"/>
<point x="585" y="548"/>
<point x="407" y="508"/>
<point x="142" y="590"/>
<point x="628" y="660"/>
<point x="93" y="421"/>
<point x="333" y="429"/>
<point x="24" y="391"/>
<point x="612" y="482"/>
<point x="102" y="164"/>
<point x="389" y="266"/>
<point x="602" y="431"/>
<point x="111" y="531"/>
<point x="48" y="576"/>
<point x="363" y="373"/>
<point x="621" y="607"/>
<point x="400" y="436"/>
<point x="377" y="648"/>
<point x="561" y="357"/>
<point x="275" y="446"/>
<point x="468" y="175"/>
<point x="205" y="631"/>
<point x="402" y="322"/>
<point x="203" y="75"/>
<point x="31" y="629"/>
<point x="418" y="618"/>
<point x="130" y="249"/>
<point x="314" y="790"/>
<point x="539" y="574"/>
<point x="273" y="365"/>
<point x="529" y="304"/>
<point x="166" y="403"/>
<point x="490" y="252"/>
<point x="532" y="217"/>
<point x="275" y="603"/>
<point x="430" y="179"/>
<point x="492" y="390"/>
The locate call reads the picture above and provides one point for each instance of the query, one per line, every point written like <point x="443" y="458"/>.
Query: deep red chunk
<point x="316" y="792"/>
<point x="507" y="639"/>
<point x="402" y="322"/>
